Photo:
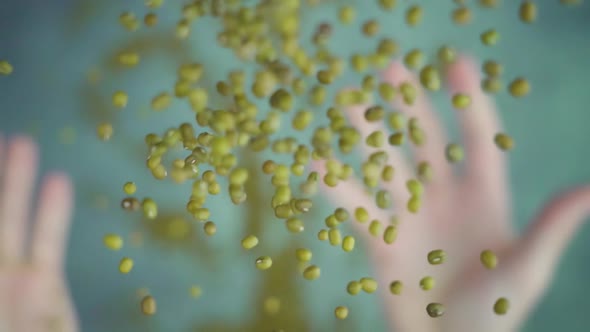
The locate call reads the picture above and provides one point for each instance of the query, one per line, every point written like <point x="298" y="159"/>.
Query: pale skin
<point x="34" y="296"/>
<point x="462" y="214"/>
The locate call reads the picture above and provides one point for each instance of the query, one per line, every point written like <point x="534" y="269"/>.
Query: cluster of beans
<point x="287" y="74"/>
<point x="268" y="35"/>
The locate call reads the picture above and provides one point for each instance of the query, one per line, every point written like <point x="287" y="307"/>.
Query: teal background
<point x="52" y="44"/>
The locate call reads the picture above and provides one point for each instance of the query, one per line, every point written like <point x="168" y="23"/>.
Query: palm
<point x="462" y="215"/>
<point x="34" y="294"/>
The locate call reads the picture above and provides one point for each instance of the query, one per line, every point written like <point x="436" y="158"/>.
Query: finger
<point x="479" y="123"/>
<point x="351" y="194"/>
<point x="433" y="148"/>
<point x="19" y="179"/>
<point x="526" y="268"/>
<point x="1" y="167"/>
<point x="396" y="158"/>
<point x="547" y="237"/>
<point x="53" y="222"/>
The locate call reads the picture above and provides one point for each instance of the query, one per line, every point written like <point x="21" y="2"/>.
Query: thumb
<point x="545" y="240"/>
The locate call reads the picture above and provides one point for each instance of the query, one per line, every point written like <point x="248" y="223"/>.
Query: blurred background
<point x="60" y="91"/>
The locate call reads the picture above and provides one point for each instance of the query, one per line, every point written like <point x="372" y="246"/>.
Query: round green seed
<point x="374" y="114"/>
<point x="249" y="242"/>
<point x="519" y="87"/>
<point x="210" y="228"/>
<point x="430" y="78"/>
<point x="436" y="257"/>
<point x="369" y="285"/>
<point x="383" y="199"/>
<point x="302" y="119"/>
<point x="113" y="241"/>
<point x="528" y="12"/>
<point x="148" y="305"/>
<point x="461" y="16"/>
<point x="387" y="173"/>
<point x="488" y="259"/>
<point x="150" y="19"/>
<point x="490" y="37"/>
<point x="303" y="255"/>
<point x="263" y="262"/>
<point x="408" y="92"/>
<point x="294" y="225"/>
<point x="446" y="54"/>
<point x="129" y="188"/>
<point x="491" y="85"/>
<point x="454" y="153"/>
<point x="130" y="204"/>
<point x="375" y="228"/>
<point x="161" y="101"/>
<point x="312" y="272"/>
<point x="323" y="235"/>
<point x="195" y="291"/>
<point x="125" y="265"/>
<point x="387" y="47"/>
<point x="396" y="287"/>
<point x="427" y="283"/>
<point x="414" y="58"/>
<point x="435" y="309"/>
<point x="104" y="131"/>
<point x="370" y="28"/>
<point x="341" y="312"/>
<point x="128" y="21"/>
<point x="414" y="15"/>
<point x="346" y="14"/>
<point x="414" y="204"/>
<point x="281" y="100"/>
<point x="396" y="121"/>
<point x="492" y="68"/>
<point x="128" y="58"/>
<point x="386" y="91"/>
<point x="390" y="234"/>
<point x="325" y="76"/>
<point x="120" y="99"/>
<point x="461" y="101"/>
<point x="334" y="236"/>
<point x="504" y="141"/>
<point x="341" y="214"/>
<point x="348" y="243"/>
<point x="501" y="306"/>
<point x="5" y="68"/>
<point x="331" y="221"/>
<point x="488" y="3"/>
<point x="361" y="214"/>
<point x="354" y="287"/>
<point x="415" y="187"/>
<point x="150" y="208"/>
<point x="387" y="4"/>
<point x="424" y="171"/>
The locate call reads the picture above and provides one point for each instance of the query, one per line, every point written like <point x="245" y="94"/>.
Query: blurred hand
<point x="461" y="214"/>
<point x="33" y="292"/>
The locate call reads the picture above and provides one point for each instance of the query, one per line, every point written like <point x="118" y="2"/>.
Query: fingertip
<point x="25" y="146"/>
<point x="59" y="180"/>
<point x="58" y="185"/>
<point x="463" y="74"/>
<point x="396" y="73"/>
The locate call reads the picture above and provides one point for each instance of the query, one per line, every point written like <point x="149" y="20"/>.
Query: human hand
<point x="462" y="215"/>
<point x="34" y="296"/>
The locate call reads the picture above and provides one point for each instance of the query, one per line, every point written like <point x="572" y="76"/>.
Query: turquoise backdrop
<point x="54" y="43"/>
